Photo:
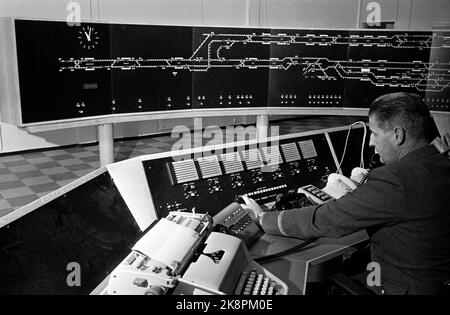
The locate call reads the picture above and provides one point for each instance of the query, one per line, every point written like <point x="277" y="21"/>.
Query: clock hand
<point x="88" y="36"/>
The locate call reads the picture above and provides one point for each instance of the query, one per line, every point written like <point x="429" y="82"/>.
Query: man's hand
<point x="253" y="208"/>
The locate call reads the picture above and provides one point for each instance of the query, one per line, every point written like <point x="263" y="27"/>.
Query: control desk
<point x="92" y="224"/>
<point x="209" y="179"/>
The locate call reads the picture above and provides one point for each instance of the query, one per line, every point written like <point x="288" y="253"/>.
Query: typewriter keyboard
<point x="254" y="283"/>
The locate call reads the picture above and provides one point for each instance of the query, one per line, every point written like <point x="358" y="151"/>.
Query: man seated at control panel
<point x="404" y="205"/>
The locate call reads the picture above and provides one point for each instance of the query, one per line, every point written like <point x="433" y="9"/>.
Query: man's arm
<point x="381" y="200"/>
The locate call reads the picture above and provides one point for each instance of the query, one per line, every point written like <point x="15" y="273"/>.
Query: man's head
<point x="399" y="122"/>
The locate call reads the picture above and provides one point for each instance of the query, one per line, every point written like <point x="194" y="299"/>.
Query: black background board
<point x="157" y="88"/>
<point x="359" y="93"/>
<point x="439" y="100"/>
<point x="145" y="68"/>
<point x="227" y="79"/>
<point x="49" y="94"/>
<point x="302" y="81"/>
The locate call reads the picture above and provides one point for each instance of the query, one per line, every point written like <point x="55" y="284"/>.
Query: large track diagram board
<point x="102" y="69"/>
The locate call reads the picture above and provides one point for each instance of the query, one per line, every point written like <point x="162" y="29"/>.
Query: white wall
<point x="408" y="14"/>
<point x="343" y="13"/>
<point x="426" y="14"/>
<point x="42" y="9"/>
<point x="299" y="14"/>
<point x="412" y="14"/>
<point x="183" y="12"/>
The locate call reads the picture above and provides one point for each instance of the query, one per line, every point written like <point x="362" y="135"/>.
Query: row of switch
<point x="324" y="96"/>
<point x="253" y="193"/>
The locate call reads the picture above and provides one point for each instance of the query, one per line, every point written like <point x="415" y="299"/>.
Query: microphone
<point x="440" y="145"/>
<point x="364" y="173"/>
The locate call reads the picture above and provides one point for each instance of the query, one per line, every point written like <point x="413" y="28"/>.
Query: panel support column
<point x="262" y="127"/>
<point x="106" y="143"/>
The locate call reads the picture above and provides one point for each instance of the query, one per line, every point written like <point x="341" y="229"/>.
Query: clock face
<point x="88" y="37"/>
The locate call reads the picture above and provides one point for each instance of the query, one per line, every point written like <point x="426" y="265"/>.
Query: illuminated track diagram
<point x="431" y="76"/>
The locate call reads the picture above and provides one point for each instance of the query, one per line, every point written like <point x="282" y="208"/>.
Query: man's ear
<point x="399" y="135"/>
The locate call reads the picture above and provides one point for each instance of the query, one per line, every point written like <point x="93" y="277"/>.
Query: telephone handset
<point x="375" y="161"/>
<point x="236" y="221"/>
<point x="338" y="185"/>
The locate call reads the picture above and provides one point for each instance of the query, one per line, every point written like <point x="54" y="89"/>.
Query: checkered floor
<point x="28" y="176"/>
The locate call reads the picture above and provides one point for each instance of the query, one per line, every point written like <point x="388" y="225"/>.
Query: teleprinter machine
<point x="180" y="255"/>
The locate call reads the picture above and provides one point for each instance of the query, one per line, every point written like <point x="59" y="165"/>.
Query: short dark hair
<point x="406" y="110"/>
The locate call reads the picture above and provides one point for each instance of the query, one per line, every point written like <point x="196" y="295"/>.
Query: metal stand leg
<point x="106" y="143"/>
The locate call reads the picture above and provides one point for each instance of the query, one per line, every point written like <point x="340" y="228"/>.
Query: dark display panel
<point x="231" y="69"/>
<point x="47" y="92"/>
<point x="144" y="78"/>
<point x="89" y="225"/>
<point x="386" y="63"/>
<point x="96" y="69"/>
<point x="302" y="72"/>
<point x="210" y="184"/>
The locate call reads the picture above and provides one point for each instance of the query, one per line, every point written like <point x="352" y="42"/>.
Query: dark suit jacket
<point x="405" y="208"/>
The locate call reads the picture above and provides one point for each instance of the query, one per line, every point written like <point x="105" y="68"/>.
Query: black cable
<point x="284" y="252"/>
